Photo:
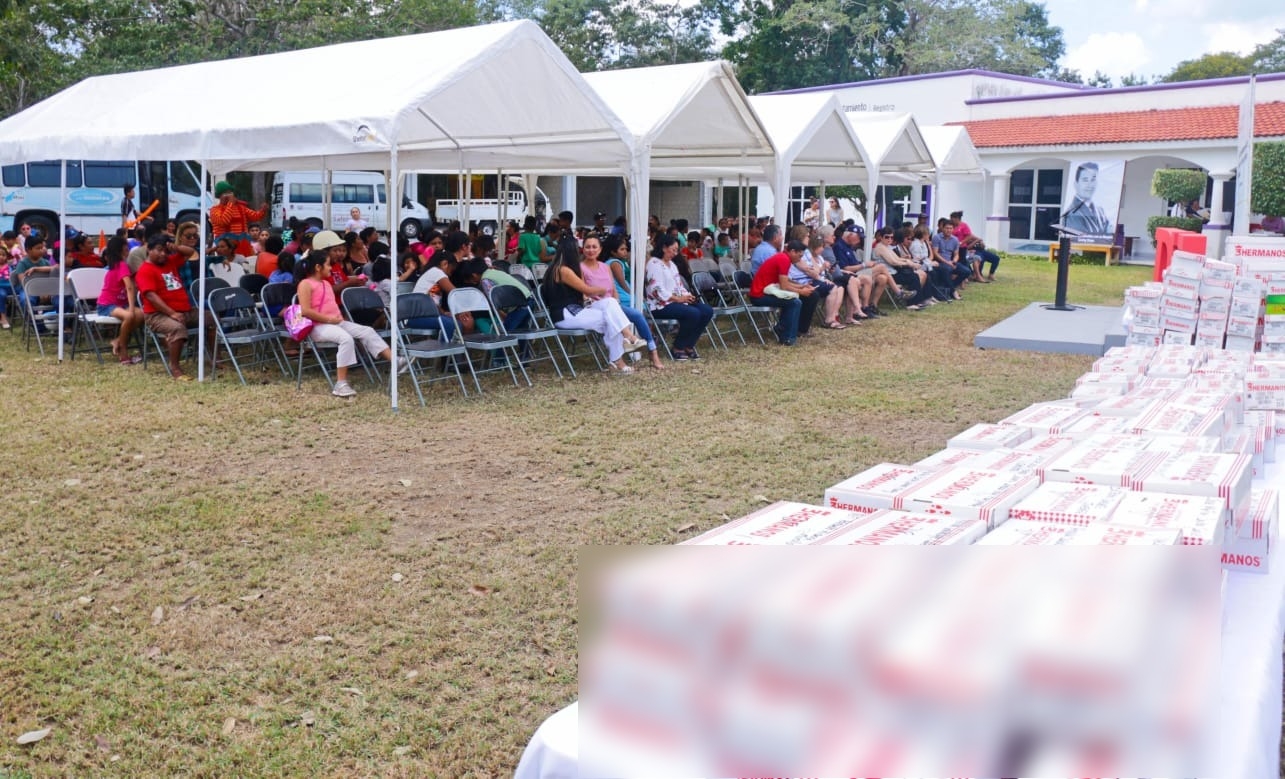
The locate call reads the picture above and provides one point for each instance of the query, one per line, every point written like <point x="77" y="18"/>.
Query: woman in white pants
<point x="317" y="302"/>
<point x="573" y="304"/>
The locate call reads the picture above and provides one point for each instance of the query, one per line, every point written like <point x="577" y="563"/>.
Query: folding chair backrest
<point x="87" y="283"/>
<point x="728" y="269"/>
<point x="505" y="297"/>
<point x="522" y="272"/>
<point x="229" y="300"/>
<point x="463" y="300"/>
<point x="405" y="288"/>
<point x="45" y="287"/>
<point x="253" y="283"/>
<point x="743" y="279"/>
<point x="278" y="293"/>
<point x="211" y="283"/>
<point x="539" y="270"/>
<point x="415" y="305"/>
<point x="704" y="282"/>
<point x="361" y="299"/>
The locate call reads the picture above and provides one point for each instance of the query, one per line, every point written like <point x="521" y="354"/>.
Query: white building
<point x="1028" y="131"/>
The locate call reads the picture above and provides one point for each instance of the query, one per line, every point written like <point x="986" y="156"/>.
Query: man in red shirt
<point x="166" y="307"/>
<point x="775" y="273"/>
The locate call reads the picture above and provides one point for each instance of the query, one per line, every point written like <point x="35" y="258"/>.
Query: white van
<point x="297" y="194"/>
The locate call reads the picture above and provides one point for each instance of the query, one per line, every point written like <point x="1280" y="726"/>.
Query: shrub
<point x="1268" y="189"/>
<point x="1183" y="222"/>
<point x="1178" y="185"/>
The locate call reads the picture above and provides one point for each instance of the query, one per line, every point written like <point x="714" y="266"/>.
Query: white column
<point x="569" y="197"/>
<point x="1218" y="229"/>
<point x="916" y="202"/>
<point x="996" y="233"/>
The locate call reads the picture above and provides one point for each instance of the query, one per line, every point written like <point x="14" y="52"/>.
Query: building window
<point x="1034" y="203"/>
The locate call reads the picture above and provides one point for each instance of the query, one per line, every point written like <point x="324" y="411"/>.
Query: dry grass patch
<point x="220" y="580"/>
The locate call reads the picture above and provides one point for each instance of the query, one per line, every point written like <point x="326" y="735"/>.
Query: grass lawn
<point x="217" y="580"/>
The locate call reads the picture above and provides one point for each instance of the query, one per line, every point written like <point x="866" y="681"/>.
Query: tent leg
<point x="62" y="252"/>
<point x="394" y="220"/>
<point x="200" y="302"/>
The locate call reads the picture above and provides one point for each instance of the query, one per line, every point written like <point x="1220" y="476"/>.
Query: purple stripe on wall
<point x="928" y="76"/>
<point x="1217" y="227"/>
<point x="1094" y="92"/>
<point x="997" y="219"/>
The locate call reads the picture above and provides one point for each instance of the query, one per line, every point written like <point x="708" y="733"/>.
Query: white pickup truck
<point x="484" y="213"/>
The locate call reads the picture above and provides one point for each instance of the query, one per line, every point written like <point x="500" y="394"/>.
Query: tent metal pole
<point x="743" y="207"/>
<point x="502" y="193"/>
<point x="326" y="192"/>
<point x="394" y="218"/>
<point x="62" y="251"/>
<point x="468" y="202"/>
<point x="200" y="301"/>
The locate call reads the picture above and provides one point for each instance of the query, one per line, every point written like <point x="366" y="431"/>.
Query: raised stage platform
<point x="1090" y="330"/>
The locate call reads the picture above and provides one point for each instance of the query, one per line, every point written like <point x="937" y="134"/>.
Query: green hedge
<point x="1182" y="222"/>
<point x="1178" y="185"/>
<point x="1268" y="190"/>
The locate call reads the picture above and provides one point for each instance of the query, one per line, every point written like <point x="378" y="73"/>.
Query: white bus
<point x="298" y="195"/>
<point x="29" y="193"/>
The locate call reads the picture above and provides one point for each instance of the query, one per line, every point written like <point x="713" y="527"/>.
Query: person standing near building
<point x="231" y="218"/>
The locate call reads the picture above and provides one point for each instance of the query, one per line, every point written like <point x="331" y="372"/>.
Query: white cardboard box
<point x="899" y="528"/>
<point x="1199" y="520"/>
<point x="1066" y="503"/>
<point x="948" y="458"/>
<point x="1026" y="463"/>
<point x="971" y="494"/>
<point x="1225" y="476"/>
<point x="1094" y="465"/>
<point x="1250" y="547"/>
<point x="1021" y="532"/>
<point x="1047" y="445"/>
<point x="782" y="523"/>
<point x="1105" y="534"/>
<point x="985" y="436"/>
<point x="880" y="487"/>
<point x="1239" y="343"/>
<point x="1044" y="417"/>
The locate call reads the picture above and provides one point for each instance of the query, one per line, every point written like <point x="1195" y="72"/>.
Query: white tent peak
<point x="697" y="112"/>
<point x="893" y="142"/>
<point x="952" y="150"/>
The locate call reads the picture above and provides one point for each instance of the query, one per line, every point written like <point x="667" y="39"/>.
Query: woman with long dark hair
<point x="669" y="297"/>
<point x="573" y="304"/>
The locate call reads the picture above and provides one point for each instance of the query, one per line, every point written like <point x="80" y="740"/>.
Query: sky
<point x="1150" y="37"/>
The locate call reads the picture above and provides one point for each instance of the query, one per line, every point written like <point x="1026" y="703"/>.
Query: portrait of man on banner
<point x="1093" y="199"/>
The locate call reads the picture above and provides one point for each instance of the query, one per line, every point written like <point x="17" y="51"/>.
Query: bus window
<point x="49" y="173"/>
<point x="305" y="193"/>
<point x="182" y="179"/>
<point x="14" y="175"/>
<point x="109" y="175"/>
<point x="352" y="193"/>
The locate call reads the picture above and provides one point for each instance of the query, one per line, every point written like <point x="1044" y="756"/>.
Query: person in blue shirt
<point x="773" y="240"/>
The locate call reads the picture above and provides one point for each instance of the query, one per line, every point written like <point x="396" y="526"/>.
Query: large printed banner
<point x="1093" y="199"/>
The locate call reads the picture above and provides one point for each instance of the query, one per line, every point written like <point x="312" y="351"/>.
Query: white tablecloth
<point x="1250" y="691"/>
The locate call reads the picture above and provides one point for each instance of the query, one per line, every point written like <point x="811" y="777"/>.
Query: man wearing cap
<point x="166" y="307"/>
<point x="599" y="230"/>
<point x="330" y="242"/>
<point x="231" y="218"/>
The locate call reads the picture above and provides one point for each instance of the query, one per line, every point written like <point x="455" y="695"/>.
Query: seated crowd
<point x="583" y="276"/>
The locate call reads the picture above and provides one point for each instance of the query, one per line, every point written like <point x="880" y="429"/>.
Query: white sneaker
<point x="343" y="390"/>
<point x="403" y="365"/>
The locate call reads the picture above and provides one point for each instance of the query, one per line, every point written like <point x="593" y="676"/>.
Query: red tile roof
<point x="1172" y="124"/>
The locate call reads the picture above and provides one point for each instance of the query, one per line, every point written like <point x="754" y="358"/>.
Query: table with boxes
<point x="1163" y="444"/>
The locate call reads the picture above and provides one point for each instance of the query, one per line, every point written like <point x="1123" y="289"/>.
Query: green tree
<point x="1270" y="57"/>
<point x="1218" y="65"/>
<point x="1133" y="80"/>
<point x="31" y="67"/>
<point x="1268" y="189"/>
<point x="600" y="34"/>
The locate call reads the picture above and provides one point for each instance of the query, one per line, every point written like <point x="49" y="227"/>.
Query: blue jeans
<point x="443" y="323"/>
<point x="691" y="317"/>
<point x="6" y="290"/>
<point x="639" y="322"/>
<point x="516" y="319"/>
<point x="787" y="329"/>
<point x="988" y="257"/>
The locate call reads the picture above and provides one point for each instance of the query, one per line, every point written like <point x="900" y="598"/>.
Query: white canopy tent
<point x="814" y="142"/>
<point x="895" y="146"/>
<point x="954" y="156"/>
<point x="688" y="122"/>
<point x="490" y="97"/>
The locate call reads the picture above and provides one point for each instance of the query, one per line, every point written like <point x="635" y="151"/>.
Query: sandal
<point x="836" y="325"/>
<point x="181" y="377"/>
<point x="623" y="370"/>
<point x="135" y="360"/>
